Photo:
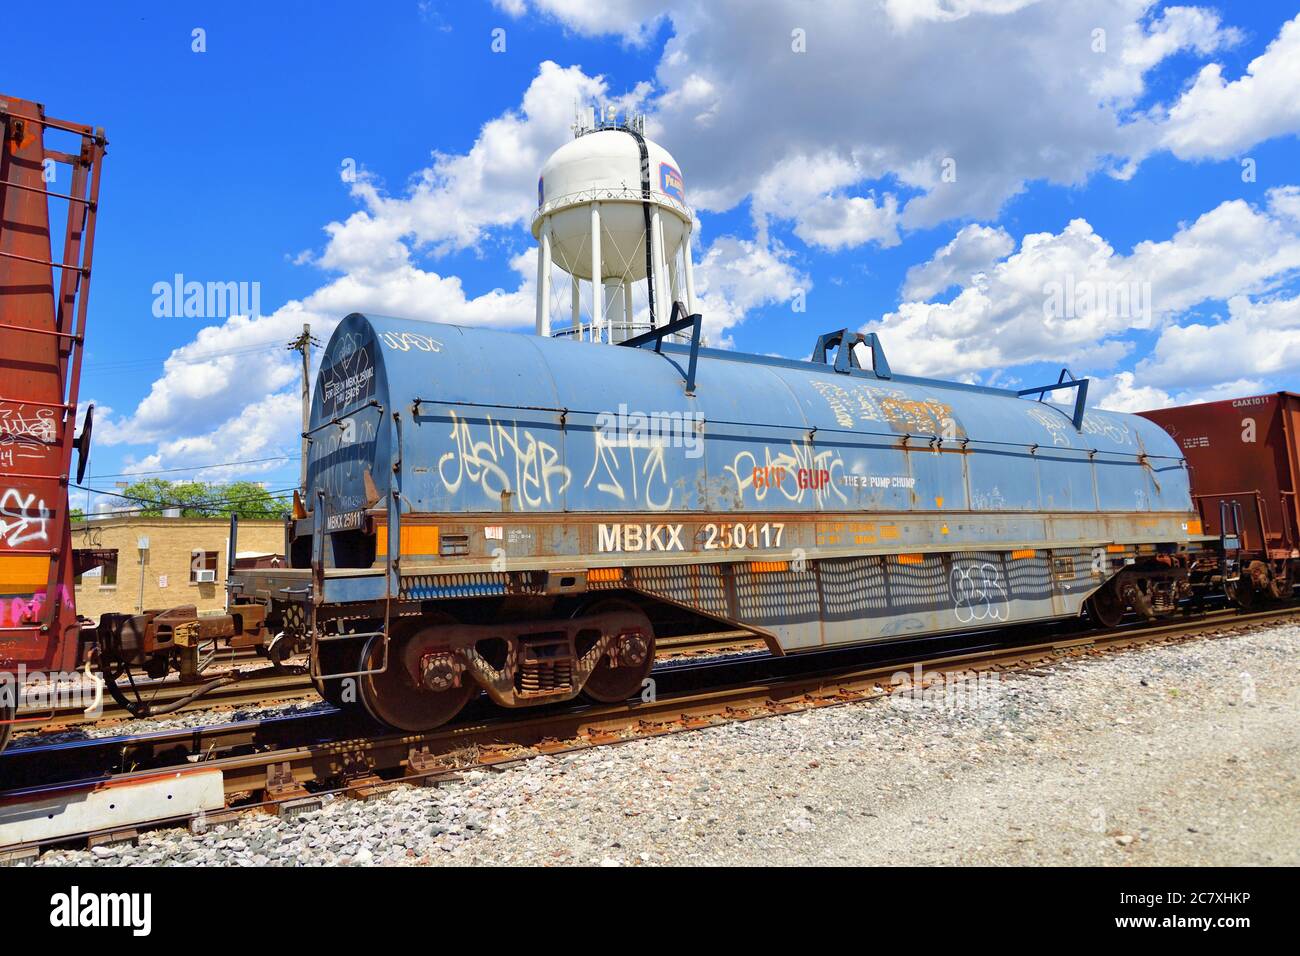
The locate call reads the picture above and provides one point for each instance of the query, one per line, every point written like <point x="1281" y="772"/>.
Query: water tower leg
<point x="597" y="283"/>
<point x="689" y="274"/>
<point x="627" y="308"/>
<point x="663" y="310"/>
<point x="575" y="301"/>
<point x="674" y="280"/>
<point x="665" y="274"/>
<point x="544" y="280"/>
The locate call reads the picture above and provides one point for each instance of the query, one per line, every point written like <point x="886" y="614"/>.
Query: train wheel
<point x="1105" y="607"/>
<point x="609" y="684"/>
<point x="1281" y="585"/>
<point x="397" y="696"/>
<point x="1242" y="592"/>
<point x="337" y="657"/>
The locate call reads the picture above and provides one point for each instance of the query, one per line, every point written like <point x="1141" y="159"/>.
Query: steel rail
<point x="326" y="758"/>
<point x="258" y="688"/>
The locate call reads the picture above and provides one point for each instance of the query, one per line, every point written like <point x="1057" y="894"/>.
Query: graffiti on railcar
<point x="1054" y="423"/>
<point x="22" y="610"/>
<point x="1108" y="427"/>
<point x="24" y="519"/>
<point x="510" y="459"/>
<point x="408" y="341"/>
<point x="798" y="475"/>
<point x="338" y="453"/>
<point x="26" y="434"/>
<point x="862" y="402"/>
<point x="978" y="592"/>
<point x="620" y="472"/>
<point x="350" y="380"/>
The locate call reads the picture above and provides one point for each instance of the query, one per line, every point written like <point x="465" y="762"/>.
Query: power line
<point x="215" y="504"/>
<point x="220" y="464"/>
<point x="184" y="360"/>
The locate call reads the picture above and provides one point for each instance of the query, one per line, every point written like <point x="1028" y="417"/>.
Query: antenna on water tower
<point x="612" y="217"/>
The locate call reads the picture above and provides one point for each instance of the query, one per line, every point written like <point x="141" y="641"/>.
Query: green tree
<point x="203" y="499"/>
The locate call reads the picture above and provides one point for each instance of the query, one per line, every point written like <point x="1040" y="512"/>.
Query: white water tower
<point x="611" y="206"/>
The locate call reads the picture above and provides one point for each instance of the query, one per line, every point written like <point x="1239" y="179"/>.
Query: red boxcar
<point x="1245" y="472"/>
<point x="49" y="183"/>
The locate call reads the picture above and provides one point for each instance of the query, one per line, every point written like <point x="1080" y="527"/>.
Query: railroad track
<point x="275" y="686"/>
<point x="287" y="763"/>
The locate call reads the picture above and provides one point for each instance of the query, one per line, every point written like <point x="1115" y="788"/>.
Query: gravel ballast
<point x="1175" y="755"/>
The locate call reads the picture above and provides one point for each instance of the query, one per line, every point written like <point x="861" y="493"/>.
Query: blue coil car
<point x="495" y="511"/>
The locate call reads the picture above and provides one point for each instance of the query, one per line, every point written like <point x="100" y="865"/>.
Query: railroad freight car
<point x="45" y="268"/>
<point x="1244" y="464"/>
<point x="495" y="511"/>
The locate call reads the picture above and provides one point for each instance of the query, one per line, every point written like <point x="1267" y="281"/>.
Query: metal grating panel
<point x="917" y="586"/>
<point x="423" y="587"/>
<point x="698" y="586"/>
<point x="853" y="587"/>
<point x="1030" y="578"/>
<point x="776" y="597"/>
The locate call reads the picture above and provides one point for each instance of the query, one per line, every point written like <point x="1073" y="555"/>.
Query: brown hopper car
<point x="1245" y="465"/>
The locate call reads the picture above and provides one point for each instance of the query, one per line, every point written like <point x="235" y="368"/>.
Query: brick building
<point x="170" y="561"/>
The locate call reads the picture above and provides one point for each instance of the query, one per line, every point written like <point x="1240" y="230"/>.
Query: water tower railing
<point x="612" y="334"/>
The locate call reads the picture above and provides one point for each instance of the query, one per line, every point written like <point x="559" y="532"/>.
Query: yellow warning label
<point x="23" y="573"/>
<point x="416" y="539"/>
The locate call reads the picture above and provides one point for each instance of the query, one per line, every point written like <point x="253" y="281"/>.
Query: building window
<point x="104" y="575"/>
<point x="203" y="567"/>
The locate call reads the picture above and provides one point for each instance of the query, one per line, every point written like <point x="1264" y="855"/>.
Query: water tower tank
<point x="612" y="203"/>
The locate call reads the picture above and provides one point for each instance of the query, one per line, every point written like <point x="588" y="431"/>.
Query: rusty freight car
<point x="1244" y="464"/>
<point x="44" y="284"/>
<point x="507" y="513"/>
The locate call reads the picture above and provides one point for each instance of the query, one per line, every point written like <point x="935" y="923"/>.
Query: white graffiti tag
<point x="22" y="519"/>
<point x="1054" y="422"/>
<point x="616" y="471"/>
<point x="977" y="593"/>
<point x="510" y="460"/>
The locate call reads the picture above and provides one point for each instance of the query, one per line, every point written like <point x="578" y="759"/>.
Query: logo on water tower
<point x="540" y="193"/>
<point x="670" y="181"/>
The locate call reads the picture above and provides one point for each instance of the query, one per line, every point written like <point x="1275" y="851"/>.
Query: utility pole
<point x="303" y="344"/>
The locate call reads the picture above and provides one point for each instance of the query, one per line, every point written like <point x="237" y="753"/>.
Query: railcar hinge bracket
<point x="679" y="322"/>
<point x="1065" y="380"/>
<point x="846" y="359"/>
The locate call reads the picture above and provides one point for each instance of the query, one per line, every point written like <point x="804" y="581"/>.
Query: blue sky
<point x="811" y="171"/>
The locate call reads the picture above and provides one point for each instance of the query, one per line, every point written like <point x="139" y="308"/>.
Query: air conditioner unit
<point x="205" y="576"/>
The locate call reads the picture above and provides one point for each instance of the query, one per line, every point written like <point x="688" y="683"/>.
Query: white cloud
<point x="973" y="250"/>
<point x="1145" y="46"/>
<point x="838" y="222"/>
<point x="1258" y="340"/>
<point x="1122" y="393"/>
<point x="1065" y="297"/>
<point x="262" y="429"/>
<point x="458" y="199"/>
<point x="904" y="13"/>
<point x="1217" y="119"/>
<point x="630" y="19"/>
<point x="885" y="94"/>
<point x="1003" y="91"/>
<point x="737" y="275"/>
